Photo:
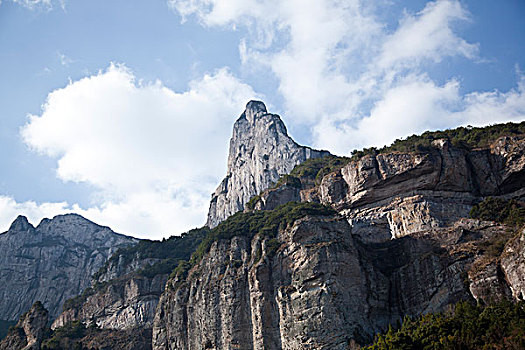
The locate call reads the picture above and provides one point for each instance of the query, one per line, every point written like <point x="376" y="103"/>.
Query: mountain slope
<point x="330" y="254"/>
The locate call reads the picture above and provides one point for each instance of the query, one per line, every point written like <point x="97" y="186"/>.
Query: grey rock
<point x="399" y="246"/>
<point x="52" y="262"/>
<point x="127" y="303"/>
<point x="260" y="152"/>
<point x="513" y="265"/>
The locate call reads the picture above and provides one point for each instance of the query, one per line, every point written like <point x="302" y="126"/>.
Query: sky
<point x="122" y="110"/>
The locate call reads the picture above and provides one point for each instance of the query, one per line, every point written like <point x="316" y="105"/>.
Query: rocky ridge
<point x="51" y="262"/>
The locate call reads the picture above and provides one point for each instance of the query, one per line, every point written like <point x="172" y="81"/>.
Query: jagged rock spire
<point x="260" y="152"/>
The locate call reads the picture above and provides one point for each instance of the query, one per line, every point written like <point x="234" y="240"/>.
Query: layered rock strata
<point x="398" y="246"/>
<point x="388" y="196"/>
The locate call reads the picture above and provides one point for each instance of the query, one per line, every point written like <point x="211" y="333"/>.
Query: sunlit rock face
<point x="260" y="152"/>
<point x="51" y="262"/>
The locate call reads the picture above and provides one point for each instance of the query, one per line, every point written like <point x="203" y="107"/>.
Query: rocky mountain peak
<point x="260" y="152"/>
<point x="254" y="109"/>
<point x="65" y="220"/>
<point x="20" y="224"/>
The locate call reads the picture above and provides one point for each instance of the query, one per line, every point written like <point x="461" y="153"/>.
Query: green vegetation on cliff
<point x="510" y="213"/>
<point x="462" y="137"/>
<point x="498" y="326"/>
<point x="169" y="251"/>
<point x="467" y="138"/>
<point x="317" y="168"/>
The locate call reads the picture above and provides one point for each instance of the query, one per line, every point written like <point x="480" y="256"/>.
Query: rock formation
<point x="387" y="235"/>
<point x="125" y="303"/>
<point x="52" y="262"/>
<point x="29" y="331"/>
<point x="260" y="152"/>
<point x="400" y="244"/>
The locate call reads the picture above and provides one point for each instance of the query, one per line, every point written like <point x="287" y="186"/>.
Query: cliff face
<point x="52" y="262"/>
<point x="400" y="244"/>
<point x="392" y="239"/>
<point x="388" y="196"/>
<point x="260" y="152"/>
<point x="320" y="287"/>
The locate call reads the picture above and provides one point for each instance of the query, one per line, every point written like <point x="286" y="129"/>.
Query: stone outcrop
<point x="247" y="296"/>
<point x="260" y="152"/>
<point x="29" y="331"/>
<point x="51" y="262"/>
<point x="513" y="265"/>
<point x="125" y="303"/>
<point x="391" y="195"/>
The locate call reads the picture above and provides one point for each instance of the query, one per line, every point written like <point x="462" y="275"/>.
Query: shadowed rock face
<point x="260" y="152"/>
<point x="52" y="262"/>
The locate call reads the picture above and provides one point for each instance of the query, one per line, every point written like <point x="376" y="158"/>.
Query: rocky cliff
<point x="325" y="256"/>
<point x="260" y="152"/>
<point x="398" y="243"/>
<point x="51" y="262"/>
<point x="125" y="291"/>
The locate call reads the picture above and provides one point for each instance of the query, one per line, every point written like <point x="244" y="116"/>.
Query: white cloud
<point x="40" y="4"/>
<point x="427" y="36"/>
<point x="417" y="104"/>
<point x="352" y="80"/>
<point x="154" y="155"/>
<point x="10" y="209"/>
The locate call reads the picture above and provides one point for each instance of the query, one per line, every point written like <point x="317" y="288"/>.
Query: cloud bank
<point x="153" y="155"/>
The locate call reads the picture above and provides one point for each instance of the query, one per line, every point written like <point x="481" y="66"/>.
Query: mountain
<point x="51" y="262"/>
<point x="306" y="250"/>
<point x="260" y="152"/>
<point x="369" y="240"/>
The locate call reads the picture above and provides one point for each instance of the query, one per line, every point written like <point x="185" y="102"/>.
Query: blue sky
<point x="122" y="110"/>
